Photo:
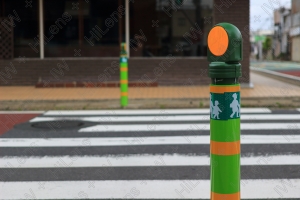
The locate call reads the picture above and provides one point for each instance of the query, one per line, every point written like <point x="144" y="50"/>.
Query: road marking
<point x="144" y="189"/>
<point x="136" y="160"/>
<point x="184" y="127"/>
<point x="22" y="112"/>
<point x="148" y="112"/>
<point x="177" y="118"/>
<point x="133" y="141"/>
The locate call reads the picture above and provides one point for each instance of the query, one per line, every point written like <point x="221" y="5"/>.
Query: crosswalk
<point x="145" y="154"/>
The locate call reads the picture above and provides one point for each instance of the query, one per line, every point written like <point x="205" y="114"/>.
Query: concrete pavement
<point x="284" y="67"/>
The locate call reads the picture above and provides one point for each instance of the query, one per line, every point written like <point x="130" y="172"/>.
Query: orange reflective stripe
<point x="124" y="93"/>
<point x="225" y="148"/>
<point x="123" y="69"/>
<point x="222" y="89"/>
<point x="123" y="81"/>
<point x="216" y="196"/>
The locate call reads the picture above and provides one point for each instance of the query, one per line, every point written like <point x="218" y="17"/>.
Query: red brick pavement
<point x="8" y="121"/>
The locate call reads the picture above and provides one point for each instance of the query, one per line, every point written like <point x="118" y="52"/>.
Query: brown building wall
<point x="183" y="71"/>
<point x="295" y="6"/>
<point x="174" y="71"/>
<point x="236" y="12"/>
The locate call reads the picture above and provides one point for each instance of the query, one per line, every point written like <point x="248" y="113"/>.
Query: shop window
<point x="25" y="24"/>
<point x="163" y="27"/>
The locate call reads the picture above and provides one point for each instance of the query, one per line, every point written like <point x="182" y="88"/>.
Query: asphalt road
<point x="144" y="154"/>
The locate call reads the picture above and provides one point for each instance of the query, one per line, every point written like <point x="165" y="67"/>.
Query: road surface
<point x="144" y="154"/>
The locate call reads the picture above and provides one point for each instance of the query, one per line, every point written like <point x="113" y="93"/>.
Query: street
<point x="152" y="99"/>
<point x="145" y="154"/>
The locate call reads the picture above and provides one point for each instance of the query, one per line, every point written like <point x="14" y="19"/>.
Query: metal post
<point x="224" y="53"/>
<point x="41" y="28"/>
<point x="123" y="75"/>
<point x="80" y="23"/>
<point x="120" y="24"/>
<point x="127" y="27"/>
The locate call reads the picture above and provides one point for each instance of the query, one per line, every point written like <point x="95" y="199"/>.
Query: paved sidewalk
<point x="285" y="67"/>
<point x="264" y="88"/>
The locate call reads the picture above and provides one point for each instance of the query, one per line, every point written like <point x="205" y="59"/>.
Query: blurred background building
<point x="287" y="32"/>
<point x="86" y="35"/>
<point x="281" y="41"/>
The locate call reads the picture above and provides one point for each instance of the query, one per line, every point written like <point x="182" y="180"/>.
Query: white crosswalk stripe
<point x="170" y="118"/>
<point x="129" y="141"/>
<point x="184" y="127"/>
<point x="140" y="160"/>
<point x="148" y="112"/>
<point x="145" y="154"/>
<point x="149" y="189"/>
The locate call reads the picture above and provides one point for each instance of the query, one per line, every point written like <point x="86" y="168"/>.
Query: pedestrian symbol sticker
<point x="224" y="106"/>
<point x="124" y="59"/>
<point x="211" y="106"/>
<point x="216" y="110"/>
<point x="235" y="106"/>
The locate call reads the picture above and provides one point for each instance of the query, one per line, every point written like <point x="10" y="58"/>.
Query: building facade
<point x="295" y="31"/>
<point x="287" y="32"/>
<point x="59" y="40"/>
<point x="282" y="25"/>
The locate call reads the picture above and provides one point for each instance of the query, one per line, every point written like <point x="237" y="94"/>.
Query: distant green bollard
<point x="124" y="75"/>
<point x="224" y="53"/>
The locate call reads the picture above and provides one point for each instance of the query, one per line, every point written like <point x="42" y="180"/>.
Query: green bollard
<point x="224" y="53"/>
<point x="124" y="75"/>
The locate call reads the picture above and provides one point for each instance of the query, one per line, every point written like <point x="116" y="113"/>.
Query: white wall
<point x="296" y="48"/>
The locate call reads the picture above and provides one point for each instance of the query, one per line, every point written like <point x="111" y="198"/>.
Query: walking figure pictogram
<point x="235" y="106"/>
<point x="211" y="107"/>
<point x="216" y="110"/>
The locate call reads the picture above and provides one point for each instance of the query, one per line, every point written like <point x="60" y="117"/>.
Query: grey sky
<point x="263" y="9"/>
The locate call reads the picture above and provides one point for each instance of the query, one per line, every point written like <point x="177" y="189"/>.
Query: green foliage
<point x="267" y="44"/>
<point x="201" y="105"/>
<point x="162" y="106"/>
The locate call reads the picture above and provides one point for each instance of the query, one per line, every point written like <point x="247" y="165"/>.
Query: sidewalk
<point x="284" y="67"/>
<point x="266" y="92"/>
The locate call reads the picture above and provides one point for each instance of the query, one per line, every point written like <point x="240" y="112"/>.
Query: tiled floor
<point x="263" y="87"/>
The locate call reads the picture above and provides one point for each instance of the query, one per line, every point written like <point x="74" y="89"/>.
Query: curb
<point x="277" y="75"/>
<point x="80" y="84"/>
<point x="270" y="102"/>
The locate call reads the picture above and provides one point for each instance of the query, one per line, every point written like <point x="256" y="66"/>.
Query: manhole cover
<point x="57" y="124"/>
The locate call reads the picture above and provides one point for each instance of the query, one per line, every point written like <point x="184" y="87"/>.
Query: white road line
<point x="136" y="160"/>
<point x="148" y="112"/>
<point x="133" y="141"/>
<point x="145" y="189"/>
<point x="184" y="127"/>
<point x="177" y="118"/>
<point x="22" y="112"/>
